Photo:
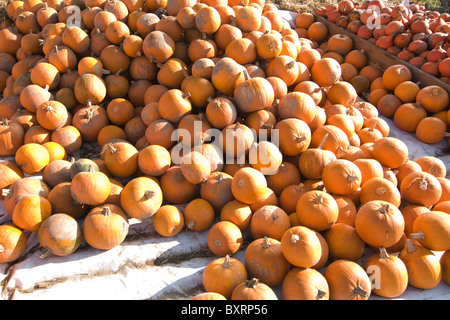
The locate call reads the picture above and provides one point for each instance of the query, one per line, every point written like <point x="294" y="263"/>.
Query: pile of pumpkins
<point x="410" y="32"/>
<point x="185" y="101"/>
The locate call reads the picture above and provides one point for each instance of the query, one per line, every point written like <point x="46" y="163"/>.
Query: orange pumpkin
<point x="385" y="220"/>
<point x="31" y="211"/>
<point x="13" y="243"/>
<point x="301" y="246"/>
<point x="105" y="227"/>
<point x="198" y="215"/>
<point x="304" y="284"/>
<point x="253" y="290"/>
<point x="168" y="220"/>
<point x="141" y="197"/>
<point x="270" y="221"/>
<point x="224" y="238"/>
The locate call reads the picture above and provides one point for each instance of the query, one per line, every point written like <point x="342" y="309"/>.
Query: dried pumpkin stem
<point x="295" y="238"/>
<point x="266" y="243"/>
<point x="323" y="141"/>
<point x="360" y="291"/>
<point x="45" y="253"/>
<point x="226" y="263"/>
<point x="149" y="194"/>
<point x="383" y="253"/>
<point x="321" y="294"/>
<point x="106" y="211"/>
<point x="252" y="283"/>
<point x="410" y="246"/>
<point x="418" y="235"/>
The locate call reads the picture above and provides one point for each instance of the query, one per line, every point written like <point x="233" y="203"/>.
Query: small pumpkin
<point x="347" y="280"/>
<point x="317" y="210"/>
<point x="270" y="221"/>
<point x="60" y="235"/>
<point x="431" y="230"/>
<point x="13" y="243"/>
<point x="198" y="215"/>
<point x="301" y="246"/>
<point x="91" y="187"/>
<point x="421" y="188"/>
<point x="253" y="289"/>
<point x="141" y="197"/>
<point x="31" y="211"/>
<point x="224" y="238"/>
<point x="32" y="158"/>
<point x="224" y="274"/>
<point x="304" y="284"/>
<point x="168" y="220"/>
<point x="105" y="227"/>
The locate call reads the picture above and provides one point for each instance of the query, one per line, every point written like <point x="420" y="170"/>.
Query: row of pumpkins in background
<point x="336" y="184"/>
<point x="410" y="32"/>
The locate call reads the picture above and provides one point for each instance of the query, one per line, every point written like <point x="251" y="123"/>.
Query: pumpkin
<point x="208" y="296"/>
<point x="236" y="212"/>
<point x="253" y="289"/>
<point x="304" y="284"/>
<point x="341" y="177"/>
<point x="158" y="46"/>
<point x="223" y="274"/>
<point x="433" y="98"/>
<point x="52" y="115"/>
<point x="89" y="120"/>
<point x="60" y="198"/>
<point x="312" y="160"/>
<point x="270" y="221"/>
<point x="297" y="105"/>
<point x="121" y="159"/>
<point x="431" y="130"/>
<point x="390" y="152"/>
<point x="431" y="230"/>
<point x="432" y="165"/>
<point x="326" y="72"/>
<point x="317" y="210"/>
<point x="33" y="95"/>
<point x="198" y="215"/>
<point x="217" y="190"/>
<point x="344" y="242"/>
<point x="21" y="188"/>
<point x="385" y="220"/>
<point x="220" y="112"/>
<point x="89" y="88"/>
<point x="60" y="235"/>
<point x="380" y="188"/>
<point x="175" y="187"/>
<point x="253" y="94"/>
<point x="248" y="185"/>
<point x="11" y="137"/>
<point x="31" y="211"/>
<point x="347" y="280"/>
<point x="411" y="111"/>
<point x="9" y="173"/>
<point x="32" y="158"/>
<point x="13" y="243"/>
<point x="91" y="187"/>
<point x="265" y="157"/>
<point x="141" y="197"/>
<point x="168" y="220"/>
<point x="301" y="246"/>
<point x="294" y="136"/>
<point x="105" y="227"/>
<point x="154" y="160"/>
<point x="424" y="269"/>
<point x="82" y="165"/>
<point x="56" y="172"/>
<point x="421" y="188"/>
<point x="195" y="167"/>
<point x="226" y="74"/>
<point x="264" y="260"/>
<point x="334" y="139"/>
<point x="179" y="102"/>
<point x="287" y="174"/>
<point x="236" y="140"/>
<point x="224" y="238"/>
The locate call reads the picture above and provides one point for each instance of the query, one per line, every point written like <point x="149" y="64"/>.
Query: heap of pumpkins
<point x="410" y="32"/>
<point x="135" y="72"/>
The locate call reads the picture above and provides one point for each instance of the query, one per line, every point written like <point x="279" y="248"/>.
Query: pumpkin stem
<point x="2" y="248"/>
<point x="318" y="199"/>
<point x="112" y="148"/>
<point x="149" y="193"/>
<point x="186" y="95"/>
<point x="4" y="122"/>
<point x="266" y="243"/>
<point x="323" y="141"/>
<point x="252" y="283"/>
<point x="45" y="253"/>
<point x="383" y="253"/>
<point x="191" y="224"/>
<point x="352" y="177"/>
<point x="321" y="294"/>
<point x="360" y="291"/>
<point x="106" y="211"/>
<point x="91" y="168"/>
<point x="226" y="263"/>
<point x="384" y="209"/>
<point x="380" y="191"/>
<point x="7" y="192"/>
<point x="418" y="235"/>
<point x="410" y="246"/>
<point x="295" y="238"/>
